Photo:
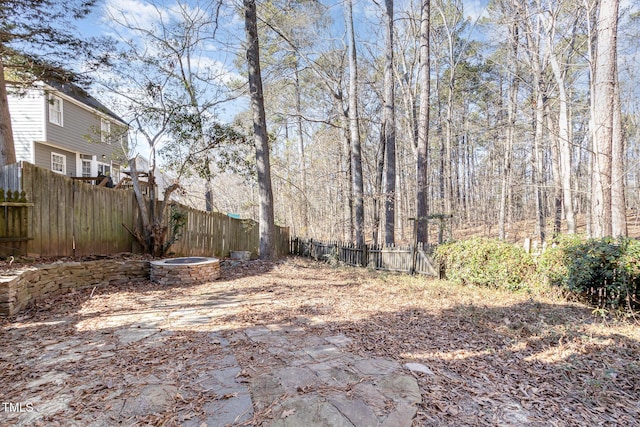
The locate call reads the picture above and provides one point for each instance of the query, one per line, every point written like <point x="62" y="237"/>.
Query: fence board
<point x="84" y="213"/>
<point x="14" y="231"/>
<point x="11" y="177"/>
<point x="43" y="199"/>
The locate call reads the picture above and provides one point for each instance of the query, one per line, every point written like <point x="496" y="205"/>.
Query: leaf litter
<point x="493" y="358"/>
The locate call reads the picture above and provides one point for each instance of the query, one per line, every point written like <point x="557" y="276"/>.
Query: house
<point x="62" y="128"/>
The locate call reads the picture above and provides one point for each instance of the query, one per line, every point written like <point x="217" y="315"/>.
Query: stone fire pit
<point x="185" y="270"/>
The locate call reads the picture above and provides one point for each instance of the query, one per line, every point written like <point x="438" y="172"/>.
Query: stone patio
<point x="116" y="368"/>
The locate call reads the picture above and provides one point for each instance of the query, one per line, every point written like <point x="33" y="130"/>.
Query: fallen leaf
<point x="287" y="413"/>
<point x="229" y="396"/>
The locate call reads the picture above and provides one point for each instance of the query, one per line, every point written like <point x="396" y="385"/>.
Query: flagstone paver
<point x="303" y="377"/>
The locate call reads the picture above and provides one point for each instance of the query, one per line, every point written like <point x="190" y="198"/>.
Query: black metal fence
<point x="407" y="259"/>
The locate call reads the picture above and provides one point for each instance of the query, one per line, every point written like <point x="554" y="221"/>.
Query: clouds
<point x="475" y="9"/>
<point x="137" y="13"/>
<point x="172" y="31"/>
<point x="216" y="70"/>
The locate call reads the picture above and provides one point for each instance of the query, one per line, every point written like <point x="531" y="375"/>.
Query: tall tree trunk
<point x="410" y="104"/>
<point x="448" y="150"/>
<point x="618" y="199"/>
<point x="533" y="35"/>
<point x="565" y="145"/>
<point x="354" y="127"/>
<point x="564" y="121"/>
<point x="303" y="163"/>
<point x="605" y="107"/>
<point x="557" y="180"/>
<point x="379" y="192"/>
<point x="591" y="7"/>
<point x="7" y="146"/>
<point x="349" y="233"/>
<point x="389" y="130"/>
<point x="422" y="165"/>
<point x="510" y="130"/>
<point x="469" y="190"/>
<point x="538" y="164"/>
<point x="440" y="139"/>
<point x="267" y="223"/>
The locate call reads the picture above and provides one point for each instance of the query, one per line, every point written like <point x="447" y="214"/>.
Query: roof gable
<point x="83" y="97"/>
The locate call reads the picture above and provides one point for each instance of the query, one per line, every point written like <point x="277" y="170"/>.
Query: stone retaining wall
<point x="21" y="287"/>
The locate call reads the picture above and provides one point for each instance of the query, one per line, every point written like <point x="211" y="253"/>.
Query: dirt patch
<point x="485" y="357"/>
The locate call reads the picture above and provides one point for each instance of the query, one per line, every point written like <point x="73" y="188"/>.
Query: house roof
<point x="83" y="96"/>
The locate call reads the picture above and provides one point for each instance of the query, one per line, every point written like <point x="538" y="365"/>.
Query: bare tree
<point x="510" y="128"/>
<point x="607" y="130"/>
<point x="169" y="100"/>
<point x="618" y="168"/>
<point x="422" y="166"/>
<point x="549" y="20"/>
<point x="389" y="127"/>
<point x="267" y="224"/>
<point x="538" y="63"/>
<point x="354" y="127"/>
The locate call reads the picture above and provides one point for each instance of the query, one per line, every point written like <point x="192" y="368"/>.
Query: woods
<point x="515" y="119"/>
<point x="497" y="121"/>
<point x="384" y="137"/>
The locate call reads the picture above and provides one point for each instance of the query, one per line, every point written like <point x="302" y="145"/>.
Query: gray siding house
<point x="62" y="128"/>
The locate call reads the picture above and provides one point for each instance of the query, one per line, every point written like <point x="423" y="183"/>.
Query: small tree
<point x="169" y="97"/>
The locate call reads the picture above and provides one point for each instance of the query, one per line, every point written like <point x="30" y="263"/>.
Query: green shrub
<point x="553" y="263"/>
<point x="486" y="262"/>
<point x="605" y="272"/>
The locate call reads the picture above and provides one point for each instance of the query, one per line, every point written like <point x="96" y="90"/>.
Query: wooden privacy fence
<point x="72" y="218"/>
<point x="407" y="259"/>
<point x="218" y="234"/>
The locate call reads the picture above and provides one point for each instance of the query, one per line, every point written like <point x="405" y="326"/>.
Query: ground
<point x="296" y="343"/>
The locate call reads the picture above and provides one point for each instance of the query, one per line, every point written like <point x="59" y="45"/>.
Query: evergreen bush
<point x="486" y="262"/>
<point x="605" y="272"/>
<point x="552" y="264"/>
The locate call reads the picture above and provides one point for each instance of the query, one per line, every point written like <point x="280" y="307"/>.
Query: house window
<point x="86" y="167"/>
<point x="104" y="169"/>
<point x="86" y="163"/>
<point x="59" y="163"/>
<point x="115" y="173"/>
<point x="55" y="110"/>
<point x="105" y="131"/>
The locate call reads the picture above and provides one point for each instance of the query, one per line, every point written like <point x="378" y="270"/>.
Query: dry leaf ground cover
<point x="493" y="358"/>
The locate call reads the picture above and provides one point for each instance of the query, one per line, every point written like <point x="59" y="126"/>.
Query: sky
<point x="231" y="32"/>
<point x="147" y="13"/>
<point x="212" y="61"/>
